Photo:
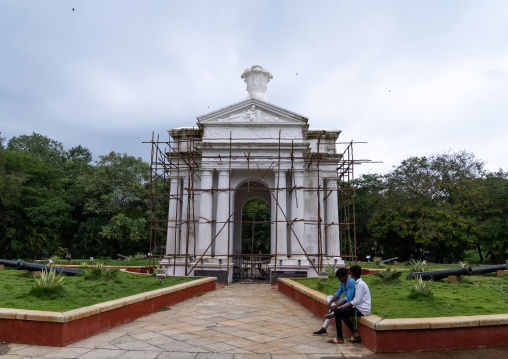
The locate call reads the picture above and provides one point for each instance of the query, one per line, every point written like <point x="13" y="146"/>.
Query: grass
<point x="78" y="291"/>
<point x="106" y="261"/>
<point x="475" y="295"/>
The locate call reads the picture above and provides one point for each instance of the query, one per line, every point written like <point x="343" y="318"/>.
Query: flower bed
<point x="412" y="334"/>
<point x="26" y="326"/>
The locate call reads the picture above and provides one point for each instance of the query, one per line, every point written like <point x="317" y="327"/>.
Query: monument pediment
<point x="251" y="112"/>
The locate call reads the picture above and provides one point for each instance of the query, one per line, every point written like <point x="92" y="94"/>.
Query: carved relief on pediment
<point x="252" y="132"/>
<point x="252" y="114"/>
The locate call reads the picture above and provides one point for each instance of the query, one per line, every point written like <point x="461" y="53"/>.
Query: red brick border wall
<point x="401" y="340"/>
<point x="60" y="334"/>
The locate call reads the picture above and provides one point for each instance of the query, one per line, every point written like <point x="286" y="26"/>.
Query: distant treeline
<point x="57" y="201"/>
<point x="440" y="207"/>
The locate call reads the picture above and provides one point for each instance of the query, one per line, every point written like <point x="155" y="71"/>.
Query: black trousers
<point x="342" y="315"/>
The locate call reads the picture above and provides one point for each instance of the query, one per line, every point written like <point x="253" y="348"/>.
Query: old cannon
<point x="489" y="269"/>
<point x="34" y="267"/>
<point x="440" y="274"/>
<point x="386" y="261"/>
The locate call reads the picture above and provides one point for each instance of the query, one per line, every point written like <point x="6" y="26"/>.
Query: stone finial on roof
<point x="256" y="79"/>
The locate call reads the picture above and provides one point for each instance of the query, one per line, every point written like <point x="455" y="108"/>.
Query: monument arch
<point x="252" y="149"/>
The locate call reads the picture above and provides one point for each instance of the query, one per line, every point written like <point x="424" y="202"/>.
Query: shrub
<point x="111" y="273"/>
<point x="83" y="265"/>
<point x="421" y="289"/>
<point x="330" y="269"/>
<point x="138" y="256"/>
<point x="389" y="274"/>
<point x="98" y="269"/>
<point x="376" y="260"/>
<point x="416" y="265"/>
<point x="48" y="285"/>
<point x="49" y="279"/>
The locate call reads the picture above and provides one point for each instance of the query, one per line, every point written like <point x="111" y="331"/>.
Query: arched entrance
<point x="252" y="238"/>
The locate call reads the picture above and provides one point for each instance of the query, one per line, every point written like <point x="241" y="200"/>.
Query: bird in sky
<point x="72" y="9"/>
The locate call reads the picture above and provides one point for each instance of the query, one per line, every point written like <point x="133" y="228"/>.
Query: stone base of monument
<point x="300" y="268"/>
<point x="205" y="268"/>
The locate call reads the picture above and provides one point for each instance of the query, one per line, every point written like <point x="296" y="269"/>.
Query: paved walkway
<point x="239" y="321"/>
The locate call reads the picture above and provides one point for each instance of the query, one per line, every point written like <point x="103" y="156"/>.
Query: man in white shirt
<point x="359" y="306"/>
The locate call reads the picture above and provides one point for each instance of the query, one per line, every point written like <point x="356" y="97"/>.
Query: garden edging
<point x="58" y="329"/>
<point x="412" y="334"/>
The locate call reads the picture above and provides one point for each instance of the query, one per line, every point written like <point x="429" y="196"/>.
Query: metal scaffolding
<point x="169" y="157"/>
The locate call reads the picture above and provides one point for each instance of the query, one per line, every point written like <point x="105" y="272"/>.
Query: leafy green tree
<point x="425" y="206"/>
<point x="116" y="194"/>
<point x="256" y="226"/>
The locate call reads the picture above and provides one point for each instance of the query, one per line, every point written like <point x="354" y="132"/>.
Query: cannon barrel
<point x="9" y="263"/>
<point x="439" y="274"/>
<point x="121" y="256"/>
<point x="488" y="269"/>
<point x="38" y="267"/>
<point x="386" y="261"/>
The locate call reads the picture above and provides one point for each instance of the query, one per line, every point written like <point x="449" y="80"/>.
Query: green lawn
<point x="106" y="261"/>
<point x="78" y="292"/>
<point x="475" y="295"/>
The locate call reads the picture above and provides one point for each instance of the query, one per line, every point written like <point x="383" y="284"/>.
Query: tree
<point x="116" y="194"/>
<point x="256" y="226"/>
<point x="425" y="206"/>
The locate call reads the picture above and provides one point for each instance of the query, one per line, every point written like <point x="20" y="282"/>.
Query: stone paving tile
<point x="214" y="356"/>
<point x="172" y="355"/>
<point x="33" y="350"/>
<point x="67" y="353"/>
<point x="138" y="345"/>
<point x="102" y="354"/>
<point x="252" y="356"/>
<point x="182" y="347"/>
<point x="97" y="340"/>
<point x="140" y="354"/>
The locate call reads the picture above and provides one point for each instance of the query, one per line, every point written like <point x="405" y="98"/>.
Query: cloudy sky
<point x="410" y="78"/>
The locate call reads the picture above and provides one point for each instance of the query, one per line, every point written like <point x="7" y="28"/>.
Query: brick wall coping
<point x="65" y="317"/>
<point x="380" y="324"/>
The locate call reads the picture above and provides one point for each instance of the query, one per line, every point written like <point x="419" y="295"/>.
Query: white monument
<point x="252" y="149"/>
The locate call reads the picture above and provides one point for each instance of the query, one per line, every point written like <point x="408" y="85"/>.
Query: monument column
<point x="332" y="215"/>
<point x="281" y="212"/>
<point x="297" y="213"/>
<point x="205" y="214"/>
<point x="221" y="225"/>
<point x="174" y="198"/>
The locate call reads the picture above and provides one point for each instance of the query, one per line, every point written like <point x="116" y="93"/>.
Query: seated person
<point x="347" y="287"/>
<point x="358" y="307"/>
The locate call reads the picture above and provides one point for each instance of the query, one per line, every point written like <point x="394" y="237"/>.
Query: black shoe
<point x="329" y="315"/>
<point x="320" y="332"/>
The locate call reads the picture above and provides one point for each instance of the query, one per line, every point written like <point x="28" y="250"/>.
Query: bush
<point x="421" y="289"/>
<point x="389" y="274"/>
<point x="416" y="265"/>
<point x="98" y="269"/>
<point x="49" y="279"/>
<point x="330" y="269"/>
<point x="111" y="274"/>
<point x="48" y="285"/>
<point x="376" y="260"/>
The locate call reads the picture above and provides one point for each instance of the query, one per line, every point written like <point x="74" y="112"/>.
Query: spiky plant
<point x="416" y="265"/>
<point x="421" y="289"/>
<point x="330" y="269"/>
<point x="389" y="274"/>
<point x="98" y="268"/>
<point x="376" y="260"/>
<point x="49" y="279"/>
